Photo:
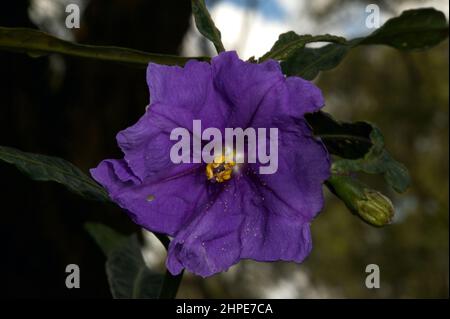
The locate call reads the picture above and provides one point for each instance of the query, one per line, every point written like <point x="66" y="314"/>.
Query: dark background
<point x="73" y="108"/>
<point x="75" y="116"/>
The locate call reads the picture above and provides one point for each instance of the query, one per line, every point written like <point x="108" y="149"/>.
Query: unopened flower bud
<point x="370" y="205"/>
<point x="375" y="208"/>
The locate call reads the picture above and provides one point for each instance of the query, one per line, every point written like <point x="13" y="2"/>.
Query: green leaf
<point x="37" y="43"/>
<point x="412" y="30"/>
<point x="205" y="24"/>
<point x="308" y="62"/>
<point x="290" y="41"/>
<point x="47" y="168"/>
<point x="347" y="140"/>
<point x="106" y="238"/>
<point x="128" y="275"/>
<point x="376" y="161"/>
<point x="360" y="146"/>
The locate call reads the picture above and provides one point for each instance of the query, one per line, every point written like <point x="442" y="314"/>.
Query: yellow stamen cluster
<point x="220" y="170"/>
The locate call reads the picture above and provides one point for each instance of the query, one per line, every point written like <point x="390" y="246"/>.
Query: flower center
<point x="221" y="169"/>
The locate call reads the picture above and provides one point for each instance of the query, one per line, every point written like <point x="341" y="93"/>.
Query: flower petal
<point x="244" y="85"/>
<point x="211" y="242"/>
<point x="291" y="197"/>
<point x="112" y="174"/>
<point x="178" y="96"/>
<point x="147" y="144"/>
<point x="295" y="189"/>
<point x="161" y="206"/>
<point x="292" y="97"/>
<point x="187" y="93"/>
<point x="271" y="237"/>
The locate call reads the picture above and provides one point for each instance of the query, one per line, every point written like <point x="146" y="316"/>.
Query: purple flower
<point x="251" y="215"/>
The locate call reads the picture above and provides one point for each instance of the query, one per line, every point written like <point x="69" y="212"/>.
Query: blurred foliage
<point x="406" y="95"/>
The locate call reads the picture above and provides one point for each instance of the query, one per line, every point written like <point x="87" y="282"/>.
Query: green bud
<point x="370" y="205"/>
<point x="375" y="208"/>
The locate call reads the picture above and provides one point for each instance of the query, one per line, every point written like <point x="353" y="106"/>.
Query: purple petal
<point x="304" y="95"/>
<point x="112" y="174"/>
<point x="187" y="93"/>
<point x="303" y="165"/>
<point x="244" y="85"/>
<point x="147" y="144"/>
<point x="271" y="237"/>
<point x="211" y="242"/>
<point x="161" y="206"/>
<point x="178" y="96"/>
<point x="291" y="197"/>
<point x="291" y="97"/>
<point x="259" y="92"/>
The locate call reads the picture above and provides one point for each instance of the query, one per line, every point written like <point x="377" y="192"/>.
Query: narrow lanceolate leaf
<point x="47" y="168"/>
<point x="346" y="140"/>
<point x="37" y="43"/>
<point x="412" y="30"/>
<point x="106" y="238"/>
<point x="308" y="62"/>
<point x="129" y="276"/>
<point x="289" y="42"/>
<point x="376" y="161"/>
<point x="205" y="24"/>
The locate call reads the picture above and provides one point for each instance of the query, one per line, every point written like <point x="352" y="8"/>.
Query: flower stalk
<point x="170" y="285"/>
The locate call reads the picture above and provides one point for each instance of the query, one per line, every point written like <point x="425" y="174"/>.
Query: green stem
<point x="163" y="239"/>
<point x="37" y="43"/>
<point x="170" y="285"/>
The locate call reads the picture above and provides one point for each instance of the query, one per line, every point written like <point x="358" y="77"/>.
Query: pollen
<point x="221" y="169"/>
